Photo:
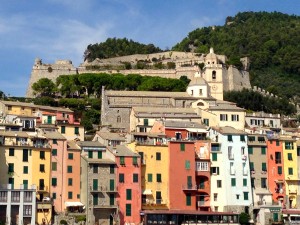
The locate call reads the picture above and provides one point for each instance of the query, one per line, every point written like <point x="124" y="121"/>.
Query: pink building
<point x="129" y="184"/>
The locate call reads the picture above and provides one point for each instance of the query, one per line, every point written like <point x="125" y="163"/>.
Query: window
<point x="128" y="194"/>
<point x="95" y="184"/>
<point x="121" y="178"/>
<point x="27" y="210"/>
<point x="233" y="182"/>
<point x="111" y="199"/>
<point x="90" y="154"/>
<point x="42" y="168"/>
<point x="149" y="177"/>
<point x="245" y="182"/>
<point x="261" y="139"/>
<point x="182" y="147"/>
<point x="112" y="169"/>
<point x="63" y="130"/>
<point x="10" y="167"/>
<point x="200" y="92"/>
<point x="70" y="195"/>
<point x="76" y="130"/>
<point x="243" y="151"/>
<point x="135" y="178"/>
<point x="263" y="182"/>
<point x="250" y="150"/>
<point x="237" y="196"/>
<point x="187" y="164"/>
<point x="290" y="157"/>
<point x="251" y="138"/>
<point x="215" y="170"/>
<point x="70" y="155"/>
<point x="214" y="156"/>
<point x="25" y="169"/>
<point x="263" y="150"/>
<point x="70" y="169"/>
<point x="128" y="209"/>
<point x="42" y="154"/>
<point x="25" y="183"/>
<point x="219" y="183"/>
<point x="246" y="197"/>
<point x="54" y="152"/>
<point x="25" y="155"/>
<point x="54" y="141"/>
<point x="230" y="153"/>
<point x="298" y="151"/>
<point x="146" y="122"/>
<point x="11" y="152"/>
<point x="277" y="143"/>
<point x="95" y="168"/>
<point x="214" y="75"/>
<point x="54" y="166"/>
<point x="242" y="138"/>
<point x="70" y="181"/>
<point x="290" y="171"/>
<point x="215" y="197"/>
<point x="289" y="145"/>
<point x="158" y="178"/>
<point x="202" y="166"/>
<point x="234" y="117"/>
<point x="119" y="119"/>
<point x="158" y="156"/>
<point x="53" y="195"/>
<point x="229" y="138"/>
<point x="232" y="169"/>
<point x="188" y="199"/>
<point x="99" y="154"/>
<point x="263" y="167"/>
<point x="134" y="160"/>
<point x="279" y="170"/>
<point x="206" y="122"/>
<point x="223" y="117"/>
<point x="122" y="160"/>
<point x="54" y="181"/>
<point x="251" y="166"/>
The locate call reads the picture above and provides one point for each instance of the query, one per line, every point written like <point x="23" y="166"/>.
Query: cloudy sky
<point x="62" y="29"/>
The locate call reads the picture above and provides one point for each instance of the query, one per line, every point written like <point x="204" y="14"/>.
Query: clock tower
<point x="213" y="73"/>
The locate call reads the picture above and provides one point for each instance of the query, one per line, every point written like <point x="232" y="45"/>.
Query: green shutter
<point x="134" y="160"/>
<point x="25" y="169"/>
<point x="11" y="152"/>
<point x="25" y="155"/>
<point x="111" y="169"/>
<point x="111" y="199"/>
<point x="54" y="152"/>
<point x="233" y="182"/>
<point x="275" y="217"/>
<point x="54" y="166"/>
<point x="182" y="147"/>
<point x="250" y="150"/>
<point x="42" y="154"/>
<point x="53" y="195"/>
<point x="245" y="182"/>
<point x="251" y="166"/>
<point x="90" y="154"/>
<point x="263" y="150"/>
<point x="229" y="138"/>
<point x="95" y="199"/>
<point x="279" y="170"/>
<point x="146" y="122"/>
<point x="158" y="177"/>
<point x="122" y="160"/>
<point x="149" y="177"/>
<point x="25" y="183"/>
<point x="187" y="164"/>
<point x="135" y="178"/>
<point x="70" y="195"/>
<point x="70" y="181"/>
<point x="264" y="167"/>
<point x="121" y="178"/>
<point x="277" y="143"/>
<point x="128" y="209"/>
<point x="246" y="197"/>
<point x="10" y="167"/>
<point x="70" y="155"/>
<point x="95" y="184"/>
<point x="111" y="185"/>
<point x="242" y="138"/>
<point x="76" y="130"/>
<point x="63" y="129"/>
<point x="188" y="199"/>
<point x="214" y="156"/>
<point x="99" y="154"/>
<point x="70" y="169"/>
<point x="291" y="171"/>
<point x="54" y="181"/>
<point x="290" y="157"/>
<point x="128" y="194"/>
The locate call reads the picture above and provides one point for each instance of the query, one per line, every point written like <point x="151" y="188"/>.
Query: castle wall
<point x="237" y="80"/>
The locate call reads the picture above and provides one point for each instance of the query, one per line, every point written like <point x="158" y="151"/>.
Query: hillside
<point x="270" y="40"/>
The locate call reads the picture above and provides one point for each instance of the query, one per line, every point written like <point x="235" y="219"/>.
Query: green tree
<point x="244" y="218"/>
<point x="44" y="87"/>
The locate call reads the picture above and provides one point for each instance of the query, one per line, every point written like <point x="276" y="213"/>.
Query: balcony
<point x="3" y="198"/>
<point x="200" y="203"/>
<point x="278" y="161"/>
<point x="44" y="205"/>
<point x="189" y="187"/>
<point x="42" y="189"/>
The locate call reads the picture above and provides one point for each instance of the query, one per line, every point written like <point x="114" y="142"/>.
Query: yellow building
<point x="155" y="175"/>
<point x="290" y="170"/>
<point x="71" y="131"/>
<point x="17" y="108"/>
<point x="25" y="160"/>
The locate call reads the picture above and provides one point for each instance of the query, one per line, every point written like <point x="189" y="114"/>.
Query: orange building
<point x="276" y="178"/>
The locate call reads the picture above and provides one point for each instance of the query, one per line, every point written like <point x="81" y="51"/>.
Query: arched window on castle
<point x="214" y="75"/>
<point x="119" y="119"/>
<point x="200" y="104"/>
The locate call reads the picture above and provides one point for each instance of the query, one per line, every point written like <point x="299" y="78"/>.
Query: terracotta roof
<point x="90" y="144"/>
<point x="14" y="134"/>
<point x="72" y="145"/>
<point x="183" y="124"/>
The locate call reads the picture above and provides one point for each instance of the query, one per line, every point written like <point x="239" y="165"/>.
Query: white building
<point x="230" y="179"/>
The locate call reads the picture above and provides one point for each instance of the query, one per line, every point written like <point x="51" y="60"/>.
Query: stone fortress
<point x="219" y="77"/>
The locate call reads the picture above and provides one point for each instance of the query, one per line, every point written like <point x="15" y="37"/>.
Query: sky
<point x="62" y="29"/>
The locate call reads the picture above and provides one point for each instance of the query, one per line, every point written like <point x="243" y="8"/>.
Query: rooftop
<point x="228" y="130"/>
<point x="121" y="150"/>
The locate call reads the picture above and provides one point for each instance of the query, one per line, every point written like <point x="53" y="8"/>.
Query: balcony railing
<point x="189" y="187"/>
<point x="42" y="188"/>
<point x="201" y="203"/>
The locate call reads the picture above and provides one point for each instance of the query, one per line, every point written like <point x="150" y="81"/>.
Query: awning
<point x="73" y="204"/>
<point x="147" y="192"/>
<point x="197" y="130"/>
